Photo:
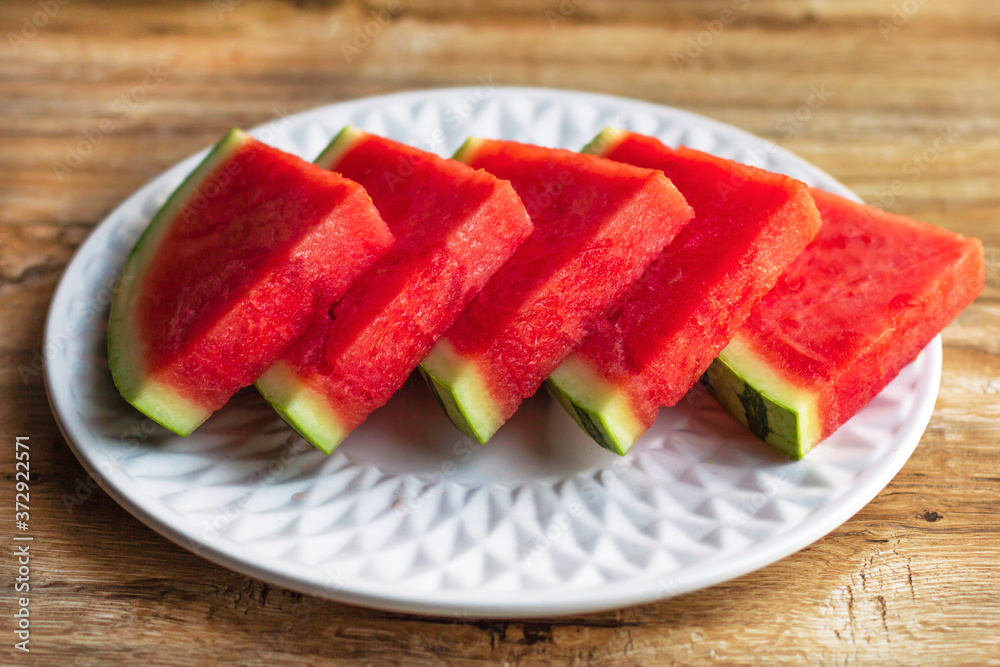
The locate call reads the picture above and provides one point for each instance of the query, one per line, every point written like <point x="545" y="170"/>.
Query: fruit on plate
<point x="859" y="304"/>
<point x="454" y="226"/>
<point x="598" y="225"/>
<point x="749" y="225"/>
<point x="228" y="274"/>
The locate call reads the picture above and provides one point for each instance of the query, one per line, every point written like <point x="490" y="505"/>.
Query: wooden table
<point x="860" y="88"/>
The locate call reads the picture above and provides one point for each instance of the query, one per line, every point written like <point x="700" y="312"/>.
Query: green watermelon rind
<point x="467" y="151"/>
<point x="605" y="141"/>
<point x="302" y="407"/>
<point x="156" y="400"/>
<point x="774" y="409"/>
<point x="599" y="408"/>
<point x="338" y="147"/>
<point x="454" y="380"/>
<point x="460" y="389"/>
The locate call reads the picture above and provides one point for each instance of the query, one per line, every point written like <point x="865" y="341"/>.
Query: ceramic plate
<point x="408" y="515"/>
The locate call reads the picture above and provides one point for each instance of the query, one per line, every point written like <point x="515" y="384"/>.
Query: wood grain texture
<point x="911" y="579"/>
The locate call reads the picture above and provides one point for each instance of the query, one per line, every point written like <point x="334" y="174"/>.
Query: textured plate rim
<point x="228" y="553"/>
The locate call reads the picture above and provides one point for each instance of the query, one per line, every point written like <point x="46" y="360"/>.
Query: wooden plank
<point x="909" y="580"/>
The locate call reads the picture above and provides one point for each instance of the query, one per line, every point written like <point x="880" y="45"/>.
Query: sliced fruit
<point x="749" y="225"/>
<point x="598" y="225"/>
<point x="453" y="226"/>
<point x="228" y="274"/>
<point x="859" y="304"/>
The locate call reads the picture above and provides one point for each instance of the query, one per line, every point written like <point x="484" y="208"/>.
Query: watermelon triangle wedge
<point x="867" y="295"/>
<point x="454" y="227"/>
<point x="228" y="273"/>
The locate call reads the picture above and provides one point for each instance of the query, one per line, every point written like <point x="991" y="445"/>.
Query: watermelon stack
<point x="598" y="225"/>
<point x="748" y="226"/>
<point x="619" y="276"/>
<point x="228" y="273"/>
<point x="454" y="228"/>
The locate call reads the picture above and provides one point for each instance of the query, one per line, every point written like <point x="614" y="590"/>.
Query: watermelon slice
<point x="454" y="227"/>
<point x="860" y="303"/>
<point x="749" y="225"/>
<point x="228" y="273"/>
<point x="598" y="225"/>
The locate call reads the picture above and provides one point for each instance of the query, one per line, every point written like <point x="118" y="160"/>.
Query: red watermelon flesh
<point x="259" y="244"/>
<point x="598" y="225"/>
<point x="859" y="304"/>
<point x="749" y="225"/>
<point x="454" y="227"/>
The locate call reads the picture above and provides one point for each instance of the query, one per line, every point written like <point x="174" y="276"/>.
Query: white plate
<point x="410" y="516"/>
